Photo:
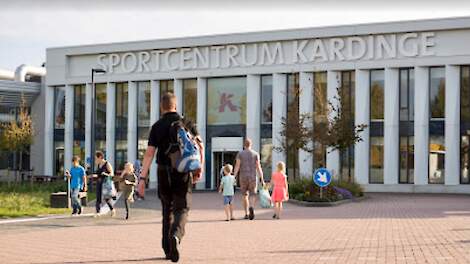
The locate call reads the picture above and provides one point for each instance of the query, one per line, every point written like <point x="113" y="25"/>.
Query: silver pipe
<point x="23" y="70"/>
<point x="6" y="75"/>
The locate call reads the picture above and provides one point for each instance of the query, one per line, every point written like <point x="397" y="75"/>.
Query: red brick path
<point x="382" y="229"/>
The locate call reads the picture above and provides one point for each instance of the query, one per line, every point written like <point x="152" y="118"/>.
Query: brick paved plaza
<point x="385" y="228"/>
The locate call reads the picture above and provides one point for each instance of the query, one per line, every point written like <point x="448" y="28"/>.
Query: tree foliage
<point x="18" y="135"/>
<point x="342" y="132"/>
<point x="334" y="127"/>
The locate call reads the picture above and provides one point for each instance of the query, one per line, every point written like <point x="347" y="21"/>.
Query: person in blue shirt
<point x="78" y="182"/>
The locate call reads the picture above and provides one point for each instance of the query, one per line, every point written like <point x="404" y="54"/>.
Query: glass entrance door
<point x="220" y="159"/>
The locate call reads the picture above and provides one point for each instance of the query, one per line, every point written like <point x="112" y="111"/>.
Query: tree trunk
<point x="21" y="164"/>
<point x="8" y="177"/>
<point x="15" y="165"/>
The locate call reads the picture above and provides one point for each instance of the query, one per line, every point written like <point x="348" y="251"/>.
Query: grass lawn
<point x="22" y="199"/>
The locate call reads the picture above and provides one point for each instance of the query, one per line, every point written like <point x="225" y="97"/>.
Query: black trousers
<point x="174" y="191"/>
<point x="99" y="192"/>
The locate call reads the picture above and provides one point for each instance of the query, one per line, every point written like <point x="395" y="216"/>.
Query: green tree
<point x="17" y="135"/>
<point x="338" y="130"/>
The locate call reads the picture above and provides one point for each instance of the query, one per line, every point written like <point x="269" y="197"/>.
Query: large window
<point x="436" y="125"/>
<point x="376" y="126"/>
<point x="59" y="124"/>
<point x="407" y="95"/>
<point x="226" y="101"/>
<point x="143" y="117"/>
<point x="59" y="107"/>
<point x="266" y="125"/>
<point x="347" y="100"/>
<point x="320" y="117"/>
<point x="465" y="125"/>
<point x="100" y="118"/>
<point x="190" y="99"/>
<point x="293" y="98"/>
<point x="122" y="93"/>
<point x="79" y="122"/>
<point x="266" y="157"/>
<point x="266" y="99"/>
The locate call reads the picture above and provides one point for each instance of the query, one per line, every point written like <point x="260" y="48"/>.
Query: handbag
<point x="109" y="190"/>
<point x="265" y="198"/>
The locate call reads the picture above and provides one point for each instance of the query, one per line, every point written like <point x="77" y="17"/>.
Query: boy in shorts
<point x="226" y="186"/>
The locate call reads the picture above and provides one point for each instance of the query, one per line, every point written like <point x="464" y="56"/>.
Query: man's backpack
<point x="184" y="149"/>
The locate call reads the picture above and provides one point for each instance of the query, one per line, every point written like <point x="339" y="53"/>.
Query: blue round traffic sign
<point x="322" y="177"/>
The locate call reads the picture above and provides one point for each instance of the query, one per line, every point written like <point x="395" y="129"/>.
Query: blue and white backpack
<point x="184" y="150"/>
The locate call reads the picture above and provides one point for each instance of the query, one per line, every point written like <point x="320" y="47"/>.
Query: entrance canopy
<point x="11" y="92"/>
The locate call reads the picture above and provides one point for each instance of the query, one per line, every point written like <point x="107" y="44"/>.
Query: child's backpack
<point x="184" y="149"/>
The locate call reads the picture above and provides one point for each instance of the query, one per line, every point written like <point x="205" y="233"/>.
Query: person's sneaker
<point x="274" y="216"/>
<point x="113" y="213"/>
<point x="246" y="217"/>
<point x="174" y="252"/>
<point x="96" y="215"/>
<point x="252" y="213"/>
<point x="79" y="211"/>
<point x="233" y="218"/>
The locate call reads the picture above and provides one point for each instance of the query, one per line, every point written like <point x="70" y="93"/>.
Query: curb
<point x="328" y="204"/>
<point x="319" y="204"/>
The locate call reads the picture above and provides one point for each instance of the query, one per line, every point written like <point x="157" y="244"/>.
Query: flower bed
<point x="304" y="190"/>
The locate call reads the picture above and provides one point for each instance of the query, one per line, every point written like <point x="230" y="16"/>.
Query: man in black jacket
<point x="174" y="189"/>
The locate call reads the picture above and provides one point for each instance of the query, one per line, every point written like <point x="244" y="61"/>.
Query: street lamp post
<point x="93" y="116"/>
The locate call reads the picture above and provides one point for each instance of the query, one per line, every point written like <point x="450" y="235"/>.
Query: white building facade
<point x="409" y="82"/>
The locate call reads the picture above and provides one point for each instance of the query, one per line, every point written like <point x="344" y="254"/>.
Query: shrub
<point x="26" y="187"/>
<point x="305" y="190"/>
<point x="355" y="189"/>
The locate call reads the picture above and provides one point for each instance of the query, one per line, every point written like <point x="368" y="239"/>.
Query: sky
<point x="28" y="27"/>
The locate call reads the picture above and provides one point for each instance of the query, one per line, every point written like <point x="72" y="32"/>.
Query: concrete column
<point x="421" y="125"/>
<point x="49" y="131"/>
<point x="332" y="157"/>
<point x="279" y="112"/>
<point x="201" y="124"/>
<point x="179" y="95"/>
<point x="89" y="94"/>
<point x="362" y="110"/>
<point x="391" y="126"/>
<point x="306" y="107"/>
<point x="253" y="110"/>
<point x="132" y="123"/>
<point x="154" y="115"/>
<point x="68" y="129"/>
<point x="452" y="125"/>
<point x="111" y="123"/>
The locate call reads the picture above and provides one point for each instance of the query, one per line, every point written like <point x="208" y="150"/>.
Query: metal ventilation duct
<point x="23" y="70"/>
<point x="6" y="75"/>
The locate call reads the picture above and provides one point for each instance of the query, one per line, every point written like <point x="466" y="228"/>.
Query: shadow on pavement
<point x="111" y="261"/>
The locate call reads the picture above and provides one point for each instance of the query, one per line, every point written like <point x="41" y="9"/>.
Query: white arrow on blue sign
<point x="322" y="177"/>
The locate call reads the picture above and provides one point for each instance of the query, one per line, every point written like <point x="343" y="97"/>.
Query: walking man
<point x="174" y="188"/>
<point x="248" y="164"/>
<point x="78" y="181"/>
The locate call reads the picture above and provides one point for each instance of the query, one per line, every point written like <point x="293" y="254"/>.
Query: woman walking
<point x="128" y="183"/>
<point x="104" y="174"/>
